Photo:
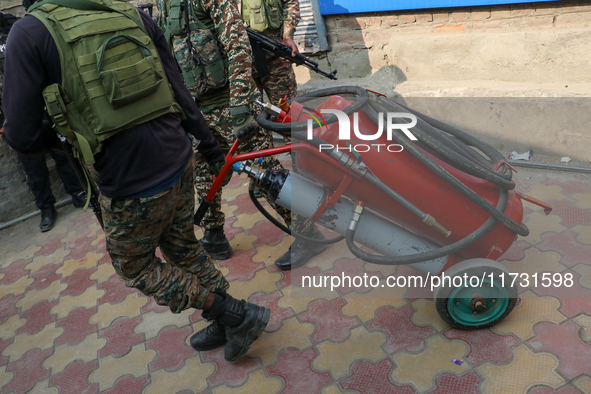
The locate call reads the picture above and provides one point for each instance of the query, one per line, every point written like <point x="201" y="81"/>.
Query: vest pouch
<point x="127" y="70"/>
<point x="201" y="63"/>
<point x="274" y="10"/>
<point x="255" y="15"/>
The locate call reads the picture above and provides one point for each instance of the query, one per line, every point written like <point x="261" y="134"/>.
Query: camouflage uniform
<point x="220" y="123"/>
<point x="215" y="105"/>
<point x="134" y="228"/>
<point x="282" y="81"/>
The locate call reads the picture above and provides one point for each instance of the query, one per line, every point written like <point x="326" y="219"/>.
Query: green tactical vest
<point x="262" y="16"/>
<point x="112" y="76"/>
<point x="203" y="64"/>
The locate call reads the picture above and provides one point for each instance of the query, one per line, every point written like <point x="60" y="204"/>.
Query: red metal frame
<point x="231" y="159"/>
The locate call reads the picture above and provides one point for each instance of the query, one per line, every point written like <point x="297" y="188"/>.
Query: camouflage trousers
<point x="134" y="228"/>
<point x="220" y="124"/>
<point x="280" y="83"/>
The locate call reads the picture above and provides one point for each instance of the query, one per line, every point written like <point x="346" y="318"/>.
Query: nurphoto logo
<point x="364" y="134"/>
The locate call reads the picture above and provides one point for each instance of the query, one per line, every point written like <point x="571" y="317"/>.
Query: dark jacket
<point x="130" y="162"/>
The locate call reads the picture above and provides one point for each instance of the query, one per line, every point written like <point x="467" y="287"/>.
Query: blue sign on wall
<point x="331" y="7"/>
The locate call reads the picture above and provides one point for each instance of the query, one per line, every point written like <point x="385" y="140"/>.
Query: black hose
<point x="453" y="181"/>
<point x="431" y="254"/>
<point x="454" y="148"/>
<point x="453" y="153"/>
<point x="287" y="128"/>
<point x="286" y="229"/>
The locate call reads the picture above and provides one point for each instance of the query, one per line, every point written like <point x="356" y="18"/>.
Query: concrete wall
<point x="522" y="50"/>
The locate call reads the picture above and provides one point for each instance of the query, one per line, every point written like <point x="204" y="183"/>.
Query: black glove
<point x="243" y="123"/>
<point x="216" y="168"/>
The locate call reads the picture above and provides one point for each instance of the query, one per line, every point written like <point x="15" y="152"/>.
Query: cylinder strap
<point x="332" y="198"/>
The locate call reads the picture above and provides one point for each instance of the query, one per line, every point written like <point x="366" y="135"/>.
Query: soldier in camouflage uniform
<point x="278" y="22"/>
<point x="281" y="83"/>
<point x="146" y="203"/>
<point x="227" y="108"/>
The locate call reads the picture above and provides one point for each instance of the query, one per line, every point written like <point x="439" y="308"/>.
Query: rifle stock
<point x="262" y="46"/>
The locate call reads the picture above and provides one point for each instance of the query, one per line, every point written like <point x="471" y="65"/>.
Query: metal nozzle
<point x="245" y="167"/>
<point x="430" y="221"/>
<point x="271" y="109"/>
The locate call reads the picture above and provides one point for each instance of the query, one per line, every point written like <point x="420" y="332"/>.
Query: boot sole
<point x="289" y="268"/>
<point x="225" y="255"/>
<point x="47" y="228"/>
<point x="254" y="333"/>
<point x="207" y="348"/>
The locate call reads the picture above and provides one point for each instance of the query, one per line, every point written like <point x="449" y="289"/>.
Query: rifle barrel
<point x="275" y="48"/>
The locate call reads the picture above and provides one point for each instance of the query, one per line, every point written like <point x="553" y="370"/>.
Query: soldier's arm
<point x="194" y="122"/>
<point x="232" y="35"/>
<point x="291" y="17"/>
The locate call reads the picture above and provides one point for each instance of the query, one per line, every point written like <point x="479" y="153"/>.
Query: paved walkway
<point x="69" y="326"/>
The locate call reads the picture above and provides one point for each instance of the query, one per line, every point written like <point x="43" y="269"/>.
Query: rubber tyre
<point x="461" y="316"/>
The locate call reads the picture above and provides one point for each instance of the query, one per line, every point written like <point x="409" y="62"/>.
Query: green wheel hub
<point x="460" y="308"/>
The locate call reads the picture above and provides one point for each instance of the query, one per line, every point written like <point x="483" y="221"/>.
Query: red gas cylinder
<point x="413" y="180"/>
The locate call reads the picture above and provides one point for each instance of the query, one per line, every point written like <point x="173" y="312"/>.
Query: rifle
<point x="262" y="46"/>
<point x="84" y="178"/>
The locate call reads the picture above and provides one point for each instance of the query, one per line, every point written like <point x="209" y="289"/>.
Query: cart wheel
<point x="471" y="308"/>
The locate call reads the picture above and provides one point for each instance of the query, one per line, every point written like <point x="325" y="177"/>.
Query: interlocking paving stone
<point x="37" y="317"/>
<point x="278" y="315"/>
<point x="42" y="340"/>
<point x="402" y="334"/>
<point x="526" y="370"/>
<point x="368" y="377"/>
<point x="68" y="325"/>
<point x="338" y="357"/>
<point x="527" y="314"/>
<point x="87" y="351"/>
<point x="257" y="383"/>
<point x="231" y="374"/>
<point x="572" y="252"/>
<point x="330" y="323"/>
<point x="294" y="368"/>
<point x="485" y="345"/>
<point x="128" y="384"/>
<point x="241" y="266"/>
<point x="193" y="376"/>
<point x="111" y="368"/>
<point x="419" y="370"/>
<point x="27" y="370"/>
<point x="564" y="341"/>
<point x="292" y="334"/>
<point x="120" y="336"/>
<point x="450" y="383"/>
<point x="171" y="347"/>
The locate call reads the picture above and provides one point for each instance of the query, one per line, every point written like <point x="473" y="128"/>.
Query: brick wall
<point x="378" y="27"/>
<point x="362" y="44"/>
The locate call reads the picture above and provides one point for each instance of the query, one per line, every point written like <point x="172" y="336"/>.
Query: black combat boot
<point x="243" y="323"/>
<point x="214" y="241"/>
<point x="211" y="337"/>
<point x="300" y="252"/>
<point x="48" y="216"/>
